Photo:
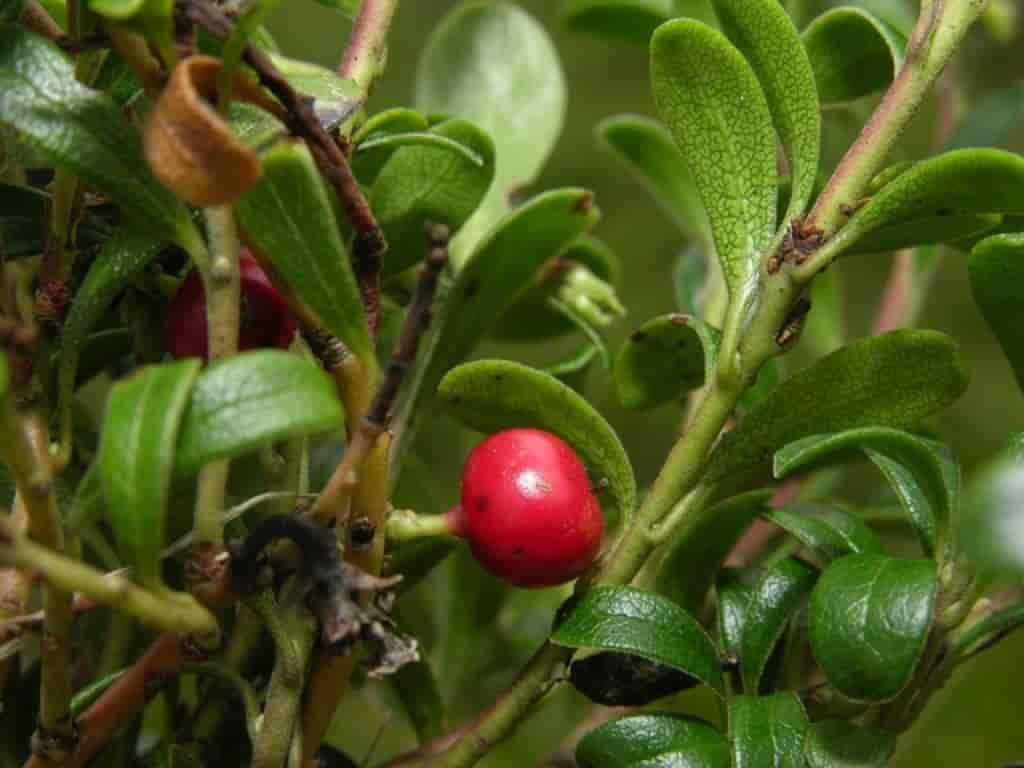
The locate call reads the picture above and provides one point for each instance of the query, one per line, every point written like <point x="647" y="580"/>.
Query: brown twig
<point x="332" y="502"/>
<point x="369" y="246"/>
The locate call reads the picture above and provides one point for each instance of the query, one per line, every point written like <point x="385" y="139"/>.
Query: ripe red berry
<point x="265" y="319"/>
<point x="528" y="510"/>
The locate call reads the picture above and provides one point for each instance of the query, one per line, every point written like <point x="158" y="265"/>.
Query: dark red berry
<point x="265" y="318"/>
<point x="528" y="510"/>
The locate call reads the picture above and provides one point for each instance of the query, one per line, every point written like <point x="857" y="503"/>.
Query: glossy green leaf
<point x="416" y="688"/>
<point x="992" y="119"/>
<point x="430" y="183"/>
<point x="494" y="65"/>
<point x="930" y="230"/>
<point x="993" y="529"/>
<point x="632" y="20"/>
<point x="588" y="330"/>
<point x="122" y="259"/>
<point x="767" y="731"/>
<point x="659" y="362"/>
<point x="780" y="591"/>
<point x="954" y="184"/>
<point x="922" y="472"/>
<point x="288" y="220"/>
<point x="496" y="274"/>
<point x="699" y="548"/>
<point x="532" y="315"/>
<point x="996" y="269"/>
<point x="840" y="744"/>
<point x="653" y="739"/>
<point x="323" y="84"/>
<point x="82" y="130"/>
<point x="137" y="455"/>
<point x="615" y="679"/>
<point x="377" y="132"/>
<point x="630" y="620"/>
<point x="734" y="588"/>
<point x="829" y="531"/>
<point x="491" y="395"/>
<point x="852" y="53"/>
<point x="711" y="101"/>
<point x="252" y="399"/>
<point x="389" y="122"/>
<point x="764" y="33"/>
<point x="23" y="222"/>
<point x="646" y="148"/>
<point x="895" y="380"/>
<point x="869" y="619"/>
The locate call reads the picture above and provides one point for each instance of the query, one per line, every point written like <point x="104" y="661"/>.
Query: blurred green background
<point x="975" y="720"/>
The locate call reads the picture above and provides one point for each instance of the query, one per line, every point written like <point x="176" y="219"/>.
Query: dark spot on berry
<point x="518" y="550"/>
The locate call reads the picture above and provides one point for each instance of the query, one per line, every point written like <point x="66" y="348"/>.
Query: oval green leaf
<point x="734" y="588"/>
<point x="251" y="399"/>
<point x="996" y="269"/>
<point x="430" y="183"/>
<point x="630" y="620"/>
<point x="779" y="592"/>
<point x="923" y="473"/>
<point x="931" y="230"/>
<point x="494" y="65"/>
<point x="764" y="33"/>
<point x="852" y="53"/>
<point x="840" y="744"/>
<point x="661" y="361"/>
<point x="288" y="221"/>
<point x="870" y="616"/>
<point x="648" y="151"/>
<point x="653" y="739"/>
<point x="631" y="20"/>
<point x="767" y="731"/>
<point x="712" y="102"/>
<point x="491" y="395"/>
<point x="82" y="130"/>
<point x="829" y="532"/>
<point x="954" y="184"/>
<point x="698" y="550"/>
<point x="137" y="455"/>
<point x="895" y="380"/>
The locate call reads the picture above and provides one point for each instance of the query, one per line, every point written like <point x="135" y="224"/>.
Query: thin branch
<point x="333" y="502"/>
<point x="369" y="246"/>
<point x="366" y="52"/>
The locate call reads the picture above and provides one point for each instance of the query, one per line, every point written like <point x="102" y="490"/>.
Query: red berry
<point x="265" y="319"/>
<point x="527" y="510"/>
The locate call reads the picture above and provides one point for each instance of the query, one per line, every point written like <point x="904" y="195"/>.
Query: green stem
<point x="405" y="525"/>
<point x="364" y="58"/>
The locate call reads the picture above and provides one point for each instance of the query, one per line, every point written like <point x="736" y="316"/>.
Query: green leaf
<point x="992" y="529"/>
<point x="764" y="33"/>
<point x="923" y="473"/>
<point x="23" y="222"/>
<point x="288" y="220"/>
<point x="996" y="269"/>
<point x="631" y="20"/>
<point x="122" y="259"/>
<point x="661" y="361"/>
<point x="778" y="594"/>
<point x="82" y="130"/>
<point x="992" y="119"/>
<point x="137" y="455"/>
<point x="492" y="395"/>
<point x="416" y="687"/>
<point x="840" y="744"/>
<point x="494" y="65"/>
<point x="976" y="636"/>
<point x="895" y="380"/>
<point x="252" y="399"/>
<point x="852" y="53"/>
<point x="734" y="589"/>
<point x="767" y="731"/>
<point x="698" y="550"/>
<point x="615" y="679"/>
<point x="10" y="10"/>
<point x="711" y="100"/>
<point x="653" y="739"/>
<point x="869" y="619"/>
<point x="415" y="560"/>
<point x="497" y="272"/>
<point x="954" y="184"/>
<point x="89" y="503"/>
<point x="648" y="151"/>
<point x="630" y="620"/>
<point x="829" y="531"/>
<point x="430" y="183"/>
<point x="930" y="230"/>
